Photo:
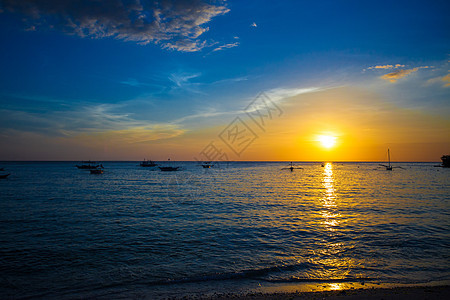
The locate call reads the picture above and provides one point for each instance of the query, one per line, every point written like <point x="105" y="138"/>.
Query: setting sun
<point x="327" y="141"/>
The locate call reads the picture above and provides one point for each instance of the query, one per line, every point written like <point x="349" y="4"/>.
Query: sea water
<point x="135" y="232"/>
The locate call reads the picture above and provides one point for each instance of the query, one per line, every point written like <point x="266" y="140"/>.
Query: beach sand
<point x="406" y="293"/>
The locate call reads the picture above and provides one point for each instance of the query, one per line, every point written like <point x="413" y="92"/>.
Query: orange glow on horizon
<point x="348" y="124"/>
<point x="341" y="124"/>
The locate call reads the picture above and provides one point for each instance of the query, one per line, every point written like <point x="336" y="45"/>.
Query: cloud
<point x="182" y="79"/>
<point x="396" y="75"/>
<point x="173" y="24"/>
<point x="75" y="119"/>
<point x="276" y="95"/>
<point x="185" y="45"/>
<point x="439" y="80"/>
<point x="132" y="82"/>
<point x="226" y="46"/>
<point x="446" y="79"/>
<point x="184" y="84"/>
<point x="386" y="67"/>
<point x="279" y="94"/>
<point x="204" y="114"/>
<point x="253" y="25"/>
<point x="141" y="134"/>
<point x="231" y="80"/>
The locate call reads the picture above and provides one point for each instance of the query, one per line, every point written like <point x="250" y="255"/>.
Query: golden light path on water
<point x="329" y="198"/>
<point x="332" y="220"/>
<point x="330" y="253"/>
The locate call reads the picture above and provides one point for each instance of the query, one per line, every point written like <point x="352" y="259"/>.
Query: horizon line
<point x="231" y="161"/>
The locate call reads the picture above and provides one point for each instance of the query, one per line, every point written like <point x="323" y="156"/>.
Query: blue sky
<point x="85" y="69"/>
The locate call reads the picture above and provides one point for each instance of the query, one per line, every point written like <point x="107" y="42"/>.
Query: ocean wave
<point x="305" y="279"/>
<point x="260" y="274"/>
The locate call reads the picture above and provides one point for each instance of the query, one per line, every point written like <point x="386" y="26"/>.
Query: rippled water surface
<point x="140" y="232"/>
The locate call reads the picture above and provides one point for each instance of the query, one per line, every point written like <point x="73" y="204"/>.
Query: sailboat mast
<point x="389" y="158"/>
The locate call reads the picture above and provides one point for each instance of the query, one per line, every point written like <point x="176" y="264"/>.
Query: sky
<point x="224" y="80"/>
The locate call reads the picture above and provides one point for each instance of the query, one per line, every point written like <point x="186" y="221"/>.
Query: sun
<point x="327" y="141"/>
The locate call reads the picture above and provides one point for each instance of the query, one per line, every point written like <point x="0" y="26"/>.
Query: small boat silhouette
<point x="389" y="167"/>
<point x="207" y="165"/>
<point x="445" y="161"/>
<point x="88" y="165"/>
<point x="4" y="176"/>
<point x="291" y="167"/>
<point x="167" y="169"/>
<point x="148" y="163"/>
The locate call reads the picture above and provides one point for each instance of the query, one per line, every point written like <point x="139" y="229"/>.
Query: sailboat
<point x="148" y="163"/>
<point x="389" y="167"/>
<point x="291" y="167"/>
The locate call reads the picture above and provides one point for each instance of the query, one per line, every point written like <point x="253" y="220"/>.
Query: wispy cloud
<point x="173" y="24"/>
<point x="276" y="95"/>
<point x="204" y="114"/>
<point x="386" y="67"/>
<point x="185" y="45"/>
<point x="119" y="124"/>
<point x="439" y="80"/>
<point x="231" y="80"/>
<point x="446" y="79"/>
<point x="396" y="75"/>
<point x="226" y="46"/>
<point x="132" y="82"/>
<point x="88" y="122"/>
<point x="182" y="79"/>
<point x="279" y="94"/>
<point x="142" y="134"/>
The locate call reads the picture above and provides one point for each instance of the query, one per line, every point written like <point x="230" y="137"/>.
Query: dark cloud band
<point x="173" y="24"/>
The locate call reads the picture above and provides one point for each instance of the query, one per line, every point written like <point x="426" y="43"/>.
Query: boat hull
<point x="83" y="167"/>
<point x="168" y="169"/>
<point x="445" y="161"/>
<point x="148" y="165"/>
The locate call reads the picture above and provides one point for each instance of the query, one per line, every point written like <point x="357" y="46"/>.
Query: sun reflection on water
<point x="329" y="198"/>
<point x="338" y="266"/>
<point x="336" y="286"/>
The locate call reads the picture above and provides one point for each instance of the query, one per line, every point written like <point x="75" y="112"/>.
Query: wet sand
<point x="401" y="293"/>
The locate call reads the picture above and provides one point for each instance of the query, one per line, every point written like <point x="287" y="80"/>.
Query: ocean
<point x="135" y="232"/>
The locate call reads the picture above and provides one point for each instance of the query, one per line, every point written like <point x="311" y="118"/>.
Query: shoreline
<point x="330" y="290"/>
<point x="396" y="292"/>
